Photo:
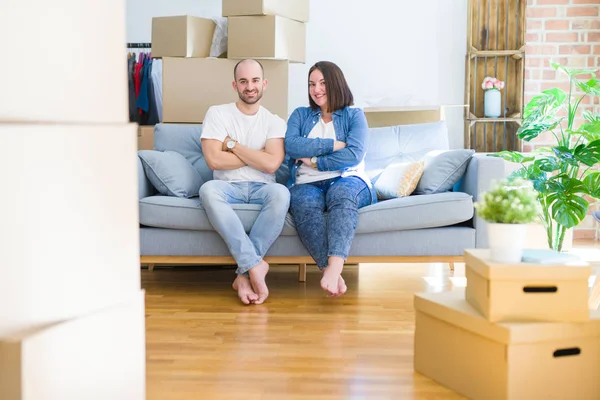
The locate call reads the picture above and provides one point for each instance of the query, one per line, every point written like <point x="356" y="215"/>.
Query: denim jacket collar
<point x="318" y="112"/>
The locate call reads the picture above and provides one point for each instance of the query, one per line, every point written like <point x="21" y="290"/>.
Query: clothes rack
<point x="145" y="85"/>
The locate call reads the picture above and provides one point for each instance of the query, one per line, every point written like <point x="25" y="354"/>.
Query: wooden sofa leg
<point x="302" y="272"/>
<point x="150" y="267"/>
<point x="451" y="266"/>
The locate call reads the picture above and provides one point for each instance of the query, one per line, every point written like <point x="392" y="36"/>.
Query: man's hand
<point x="337" y="145"/>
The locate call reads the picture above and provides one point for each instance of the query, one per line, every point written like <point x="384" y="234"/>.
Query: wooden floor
<point x="203" y="344"/>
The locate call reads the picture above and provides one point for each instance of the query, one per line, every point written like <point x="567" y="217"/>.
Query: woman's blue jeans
<point x="326" y="213"/>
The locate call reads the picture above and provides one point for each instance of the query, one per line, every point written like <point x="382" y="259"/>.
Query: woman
<point x="326" y="143"/>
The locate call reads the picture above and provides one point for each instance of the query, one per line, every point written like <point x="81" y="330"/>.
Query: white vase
<point x="492" y="103"/>
<point x="506" y="242"/>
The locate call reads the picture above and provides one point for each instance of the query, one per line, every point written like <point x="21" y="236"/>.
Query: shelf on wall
<point x="495" y="47"/>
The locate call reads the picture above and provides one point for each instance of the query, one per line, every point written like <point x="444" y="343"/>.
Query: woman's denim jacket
<point x="350" y="127"/>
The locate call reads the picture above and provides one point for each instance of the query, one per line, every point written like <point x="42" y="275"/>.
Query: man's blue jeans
<point x="247" y="249"/>
<point x="332" y="234"/>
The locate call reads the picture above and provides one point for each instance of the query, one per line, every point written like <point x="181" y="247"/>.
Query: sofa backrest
<point x="386" y="145"/>
<point x="402" y="143"/>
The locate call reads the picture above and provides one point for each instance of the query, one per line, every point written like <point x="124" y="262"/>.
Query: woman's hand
<point x="306" y="161"/>
<point x="337" y="145"/>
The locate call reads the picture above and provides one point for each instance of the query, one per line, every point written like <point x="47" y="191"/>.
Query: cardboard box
<point x="526" y="292"/>
<point x="458" y="348"/>
<point x="391" y="116"/>
<point x="63" y="63"/>
<point x="75" y="249"/>
<point x="296" y="9"/>
<point x="192" y="85"/>
<point x="182" y="36"/>
<point x="266" y="37"/>
<point x="94" y="357"/>
<point x="146" y="137"/>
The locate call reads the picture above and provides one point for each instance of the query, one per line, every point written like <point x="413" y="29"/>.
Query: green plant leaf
<point x="592" y="86"/>
<point x="565" y="154"/>
<point x="513" y="156"/>
<point x="590" y="137"/>
<point x="570" y="72"/>
<point x="588" y="154"/>
<point x="542" y="150"/>
<point x="592" y="184"/>
<point x="569" y="209"/>
<point x="562" y="183"/>
<point x="548" y="164"/>
<point x="590" y="117"/>
<point x="542" y="104"/>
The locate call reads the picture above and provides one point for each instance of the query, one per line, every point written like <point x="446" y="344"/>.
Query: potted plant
<point x="562" y="174"/>
<point x="508" y="207"/>
<point x="492" y="101"/>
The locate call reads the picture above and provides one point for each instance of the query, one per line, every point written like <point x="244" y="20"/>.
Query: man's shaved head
<point x="249" y="80"/>
<point x="248" y="62"/>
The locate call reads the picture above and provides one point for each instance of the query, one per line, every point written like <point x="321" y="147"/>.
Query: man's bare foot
<point x="331" y="278"/>
<point x="244" y="289"/>
<point x="258" y="274"/>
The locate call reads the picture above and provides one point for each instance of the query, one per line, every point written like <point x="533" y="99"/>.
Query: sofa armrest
<point x="145" y="188"/>
<point x="481" y="173"/>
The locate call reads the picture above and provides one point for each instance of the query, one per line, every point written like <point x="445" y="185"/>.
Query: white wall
<point x="394" y="53"/>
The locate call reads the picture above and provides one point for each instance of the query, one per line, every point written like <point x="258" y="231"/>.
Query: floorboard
<point x="300" y="344"/>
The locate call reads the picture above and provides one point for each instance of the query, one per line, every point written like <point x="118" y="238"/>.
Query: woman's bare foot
<point x="341" y="286"/>
<point x="332" y="275"/>
<point x="258" y="274"/>
<point x="244" y="289"/>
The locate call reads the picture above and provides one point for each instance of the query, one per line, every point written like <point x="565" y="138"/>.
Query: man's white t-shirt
<point x="252" y="131"/>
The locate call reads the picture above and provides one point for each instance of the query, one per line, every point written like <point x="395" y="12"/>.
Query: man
<point x="242" y="143"/>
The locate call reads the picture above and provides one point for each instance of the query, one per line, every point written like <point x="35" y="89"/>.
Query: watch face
<point x="230" y="144"/>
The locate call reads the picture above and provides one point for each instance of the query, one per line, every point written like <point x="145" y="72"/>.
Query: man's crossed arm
<point x="267" y="160"/>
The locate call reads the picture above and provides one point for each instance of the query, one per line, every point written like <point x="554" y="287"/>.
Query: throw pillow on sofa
<point x="171" y="173"/>
<point x="442" y="170"/>
<point x="399" y="180"/>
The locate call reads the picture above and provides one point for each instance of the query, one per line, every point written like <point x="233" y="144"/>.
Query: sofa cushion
<point x="402" y="143"/>
<point x="443" y="170"/>
<point x="185" y="140"/>
<point x="399" y="180"/>
<point x="413" y="212"/>
<point x="170" y="173"/>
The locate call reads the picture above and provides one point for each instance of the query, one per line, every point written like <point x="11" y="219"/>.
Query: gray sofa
<point x="417" y="228"/>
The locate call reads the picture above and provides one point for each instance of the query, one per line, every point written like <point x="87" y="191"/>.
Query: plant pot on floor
<point x="506" y="242"/>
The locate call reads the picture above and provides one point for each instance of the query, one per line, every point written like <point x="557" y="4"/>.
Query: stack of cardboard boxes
<point x="516" y="332"/>
<point x="72" y="314"/>
<point x="269" y="30"/>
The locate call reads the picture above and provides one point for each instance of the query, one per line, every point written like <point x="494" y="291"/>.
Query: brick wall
<point x="568" y="32"/>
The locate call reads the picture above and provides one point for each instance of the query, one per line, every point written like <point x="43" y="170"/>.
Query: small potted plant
<point x="508" y="207"/>
<point x="492" y="101"/>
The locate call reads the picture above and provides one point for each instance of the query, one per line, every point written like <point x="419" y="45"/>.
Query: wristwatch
<point x="313" y="161"/>
<point x="231" y="144"/>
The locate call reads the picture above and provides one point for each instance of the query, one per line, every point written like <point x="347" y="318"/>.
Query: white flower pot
<point x="506" y="242"/>
<point x="492" y="103"/>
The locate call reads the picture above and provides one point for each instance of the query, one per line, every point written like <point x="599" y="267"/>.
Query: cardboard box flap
<point x="452" y="307"/>
<point x="479" y="261"/>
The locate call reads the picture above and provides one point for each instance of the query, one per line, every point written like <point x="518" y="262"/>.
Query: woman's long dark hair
<point x="339" y="94"/>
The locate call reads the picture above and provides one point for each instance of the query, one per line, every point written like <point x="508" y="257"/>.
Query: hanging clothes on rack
<point x="145" y="88"/>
